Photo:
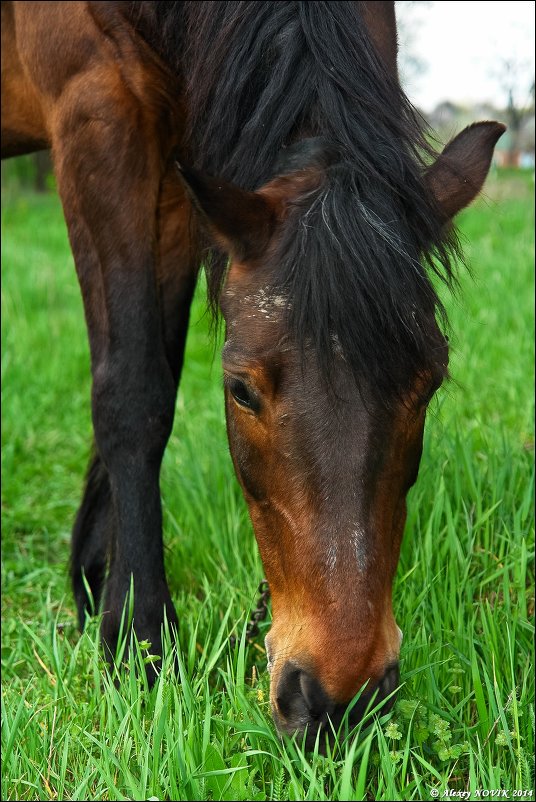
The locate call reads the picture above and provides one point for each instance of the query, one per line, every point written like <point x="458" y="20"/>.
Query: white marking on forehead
<point x="359" y="545"/>
<point x="267" y="303"/>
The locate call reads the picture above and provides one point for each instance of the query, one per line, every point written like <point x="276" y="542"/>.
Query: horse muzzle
<point x="301" y="705"/>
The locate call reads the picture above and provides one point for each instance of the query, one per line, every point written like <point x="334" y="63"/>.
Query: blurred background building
<point x="464" y="61"/>
<point x="460" y="61"/>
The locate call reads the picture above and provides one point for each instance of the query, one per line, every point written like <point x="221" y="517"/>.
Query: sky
<point x="463" y="44"/>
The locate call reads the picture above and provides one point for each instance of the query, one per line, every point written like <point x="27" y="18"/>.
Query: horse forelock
<point x="263" y="76"/>
<point x="349" y="263"/>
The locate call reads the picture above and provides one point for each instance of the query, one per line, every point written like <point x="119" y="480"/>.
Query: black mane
<point x="263" y="75"/>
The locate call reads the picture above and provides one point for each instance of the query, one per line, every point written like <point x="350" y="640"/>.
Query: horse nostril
<point x="303" y="703"/>
<point x="300" y="697"/>
<point x="315" y="697"/>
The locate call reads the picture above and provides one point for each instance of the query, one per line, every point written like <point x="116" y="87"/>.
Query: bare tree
<point x="408" y="20"/>
<point x="519" y="100"/>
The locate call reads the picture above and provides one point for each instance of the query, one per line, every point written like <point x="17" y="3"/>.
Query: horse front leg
<point x="95" y="527"/>
<point x="109" y="178"/>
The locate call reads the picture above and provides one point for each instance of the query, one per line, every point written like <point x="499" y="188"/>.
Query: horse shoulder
<point x="69" y="64"/>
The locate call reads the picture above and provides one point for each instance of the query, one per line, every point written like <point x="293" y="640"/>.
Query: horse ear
<point x="240" y="222"/>
<point x="457" y="176"/>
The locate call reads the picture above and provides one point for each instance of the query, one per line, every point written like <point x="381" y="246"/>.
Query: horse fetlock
<point x="145" y="615"/>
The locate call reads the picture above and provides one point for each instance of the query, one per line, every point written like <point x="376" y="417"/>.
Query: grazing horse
<point x="272" y="143"/>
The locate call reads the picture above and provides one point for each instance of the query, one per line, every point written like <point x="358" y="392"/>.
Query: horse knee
<point x="133" y="412"/>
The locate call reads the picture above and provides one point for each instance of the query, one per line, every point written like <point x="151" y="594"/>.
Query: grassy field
<point x="464" y="592"/>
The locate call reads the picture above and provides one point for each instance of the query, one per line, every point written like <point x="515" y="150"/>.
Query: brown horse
<point x="317" y="230"/>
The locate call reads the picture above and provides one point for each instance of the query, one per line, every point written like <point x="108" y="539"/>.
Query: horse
<point x="273" y="144"/>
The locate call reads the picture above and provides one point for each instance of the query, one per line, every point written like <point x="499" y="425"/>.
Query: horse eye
<point x="241" y="394"/>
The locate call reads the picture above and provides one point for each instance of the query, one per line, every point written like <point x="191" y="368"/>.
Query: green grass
<point x="463" y="596"/>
